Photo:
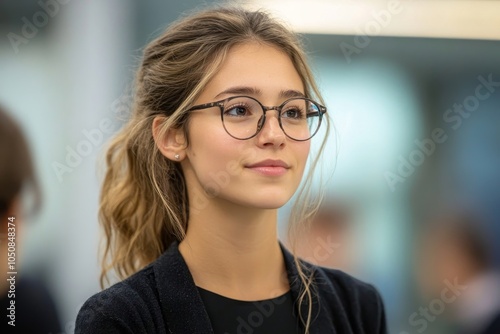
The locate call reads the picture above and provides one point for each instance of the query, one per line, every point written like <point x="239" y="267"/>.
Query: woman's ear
<point x="172" y="143"/>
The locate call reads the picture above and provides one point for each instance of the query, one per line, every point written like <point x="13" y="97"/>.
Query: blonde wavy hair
<point x="144" y="204"/>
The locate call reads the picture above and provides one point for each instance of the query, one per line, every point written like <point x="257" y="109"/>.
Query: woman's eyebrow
<point x="288" y="94"/>
<point x="240" y="90"/>
<point x="253" y="91"/>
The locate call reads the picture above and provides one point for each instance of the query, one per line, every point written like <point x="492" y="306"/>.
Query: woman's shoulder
<point x="345" y="285"/>
<point x="137" y="287"/>
<point x="359" y="301"/>
<point x="335" y="284"/>
<point x="131" y="305"/>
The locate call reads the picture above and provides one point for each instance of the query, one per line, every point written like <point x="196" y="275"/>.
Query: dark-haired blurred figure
<point x="455" y="268"/>
<point x="26" y="306"/>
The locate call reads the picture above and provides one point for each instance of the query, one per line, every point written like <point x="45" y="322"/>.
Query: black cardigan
<point x="162" y="298"/>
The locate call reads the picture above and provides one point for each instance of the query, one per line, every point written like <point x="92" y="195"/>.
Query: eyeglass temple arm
<point x="317" y="113"/>
<point x="205" y="106"/>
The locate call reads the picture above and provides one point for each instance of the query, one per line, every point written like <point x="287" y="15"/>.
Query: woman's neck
<point x="235" y="252"/>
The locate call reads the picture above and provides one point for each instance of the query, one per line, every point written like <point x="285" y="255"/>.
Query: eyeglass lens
<point x="242" y="117"/>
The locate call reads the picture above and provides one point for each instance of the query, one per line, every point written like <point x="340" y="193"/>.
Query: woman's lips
<point x="270" y="171"/>
<point x="270" y="167"/>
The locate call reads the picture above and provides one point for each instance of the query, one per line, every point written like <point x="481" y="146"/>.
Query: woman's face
<point x="261" y="172"/>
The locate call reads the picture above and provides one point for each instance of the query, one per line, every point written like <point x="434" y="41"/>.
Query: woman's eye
<point x="237" y="111"/>
<point x="292" y="113"/>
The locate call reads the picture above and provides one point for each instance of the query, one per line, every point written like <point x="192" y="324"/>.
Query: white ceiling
<point x="436" y="19"/>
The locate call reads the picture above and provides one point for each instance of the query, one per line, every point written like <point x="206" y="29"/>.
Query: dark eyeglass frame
<point x="262" y="120"/>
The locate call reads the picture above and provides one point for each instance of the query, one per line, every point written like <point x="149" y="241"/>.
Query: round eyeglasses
<point x="243" y="116"/>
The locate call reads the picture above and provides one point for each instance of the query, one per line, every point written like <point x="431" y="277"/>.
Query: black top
<point x="162" y="298"/>
<point x="269" y="316"/>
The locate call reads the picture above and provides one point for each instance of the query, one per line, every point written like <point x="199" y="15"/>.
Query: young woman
<point x="223" y="117"/>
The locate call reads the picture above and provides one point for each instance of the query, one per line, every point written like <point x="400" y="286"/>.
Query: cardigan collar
<point x="182" y="305"/>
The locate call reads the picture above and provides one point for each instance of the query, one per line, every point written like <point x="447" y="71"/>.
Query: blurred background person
<point x="455" y="264"/>
<point x="328" y="239"/>
<point x="26" y="304"/>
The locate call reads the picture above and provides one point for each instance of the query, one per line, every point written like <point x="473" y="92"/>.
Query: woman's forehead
<point x="260" y="69"/>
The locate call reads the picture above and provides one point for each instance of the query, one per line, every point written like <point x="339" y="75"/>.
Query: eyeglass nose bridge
<point x="262" y="119"/>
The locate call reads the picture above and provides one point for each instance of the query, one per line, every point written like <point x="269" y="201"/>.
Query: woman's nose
<point x="269" y="129"/>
